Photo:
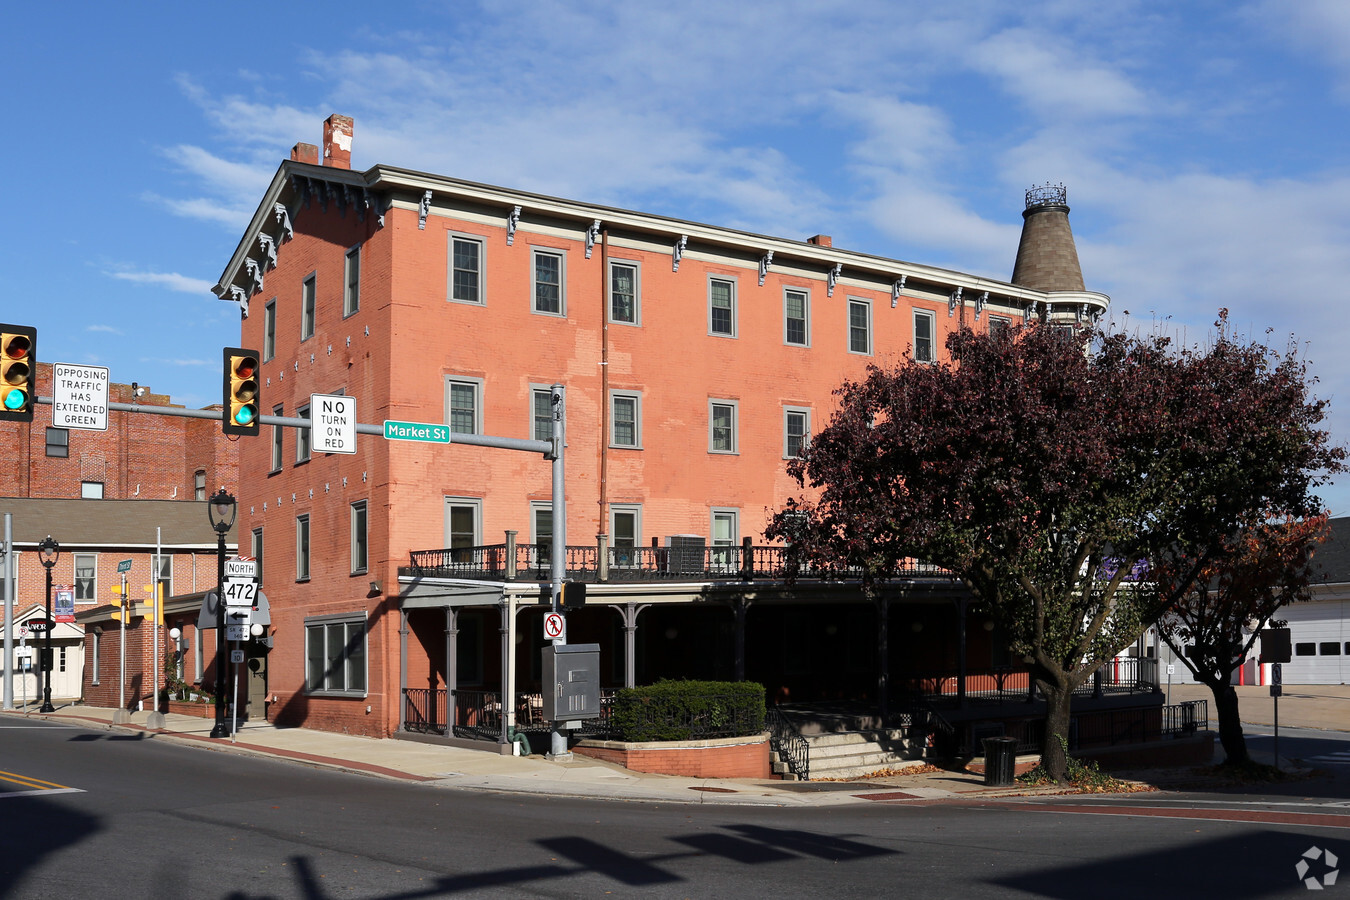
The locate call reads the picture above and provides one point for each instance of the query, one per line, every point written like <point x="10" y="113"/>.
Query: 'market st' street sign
<point x="416" y="431"/>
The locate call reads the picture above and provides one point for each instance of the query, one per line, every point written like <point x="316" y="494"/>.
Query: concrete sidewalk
<point x="453" y="767"/>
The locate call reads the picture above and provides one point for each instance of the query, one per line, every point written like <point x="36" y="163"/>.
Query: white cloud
<point x="104" y="328"/>
<point x="171" y="280"/>
<point x="1046" y="74"/>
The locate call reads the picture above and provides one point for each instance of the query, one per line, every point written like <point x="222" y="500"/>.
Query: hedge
<point x="688" y="710"/>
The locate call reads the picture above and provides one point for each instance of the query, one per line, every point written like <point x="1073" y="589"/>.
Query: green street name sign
<point x="124" y="566"/>
<point x="416" y="431"/>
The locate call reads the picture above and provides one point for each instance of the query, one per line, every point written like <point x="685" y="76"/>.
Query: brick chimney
<point x="337" y="141"/>
<point x="305" y="153"/>
<point x="820" y="240"/>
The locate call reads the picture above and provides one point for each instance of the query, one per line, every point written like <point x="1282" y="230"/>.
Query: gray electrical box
<point x="571" y="682"/>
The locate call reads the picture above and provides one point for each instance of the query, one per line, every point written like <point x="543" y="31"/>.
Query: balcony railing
<point x="532" y="562"/>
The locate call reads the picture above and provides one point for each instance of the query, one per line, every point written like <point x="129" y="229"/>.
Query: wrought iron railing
<point x="478" y="715"/>
<point x="627" y="564"/>
<point x="787" y="742"/>
<point x="424" y="710"/>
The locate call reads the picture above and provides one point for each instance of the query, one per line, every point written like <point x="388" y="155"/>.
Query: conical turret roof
<point x="1047" y="259"/>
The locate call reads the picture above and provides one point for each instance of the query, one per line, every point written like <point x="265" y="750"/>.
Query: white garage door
<point x="1320" y="641"/>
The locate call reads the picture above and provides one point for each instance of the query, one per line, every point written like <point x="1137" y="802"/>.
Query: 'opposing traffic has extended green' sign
<point x="416" y="431"/>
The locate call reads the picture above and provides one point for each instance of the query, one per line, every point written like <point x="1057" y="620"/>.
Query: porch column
<point x="402" y="668"/>
<point x="451" y="667"/>
<point x="883" y="657"/>
<point x="508" y="629"/>
<point x="738" y="609"/>
<point x="963" y="606"/>
<point x="629" y="613"/>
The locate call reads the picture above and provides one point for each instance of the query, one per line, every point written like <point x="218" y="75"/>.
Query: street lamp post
<point x="220" y="509"/>
<point x="48" y="551"/>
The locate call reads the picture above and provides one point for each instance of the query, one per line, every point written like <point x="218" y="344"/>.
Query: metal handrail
<point x="788" y="743"/>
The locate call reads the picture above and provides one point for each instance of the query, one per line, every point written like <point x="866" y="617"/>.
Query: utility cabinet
<point x="571" y="682"/>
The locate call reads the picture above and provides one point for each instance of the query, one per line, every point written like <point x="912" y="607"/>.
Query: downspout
<point x="604" y="385"/>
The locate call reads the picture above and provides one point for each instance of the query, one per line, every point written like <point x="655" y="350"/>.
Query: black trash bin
<point x="1000" y="760"/>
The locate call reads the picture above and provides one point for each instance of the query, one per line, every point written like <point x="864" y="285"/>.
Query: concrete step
<point x="862" y="771"/>
<point x="851" y="738"/>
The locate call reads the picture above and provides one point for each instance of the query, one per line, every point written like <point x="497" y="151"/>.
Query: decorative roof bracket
<point x="422" y="209"/>
<point x="512" y="221"/>
<point x="592" y="233"/>
<point x="980" y="302"/>
<point x="1032" y="311"/>
<point x="284" y="217"/>
<point x="896" y="288"/>
<point x="677" y="252"/>
<point x="269" y="249"/>
<point x="832" y="278"/>
<point x="255" y="272"/>
<point x="954" y="301"/>
<point x="764" y="262"/>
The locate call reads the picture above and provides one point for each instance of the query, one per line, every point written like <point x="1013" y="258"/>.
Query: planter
<point x="191" y="708"/>
<point x="737" y="757"/>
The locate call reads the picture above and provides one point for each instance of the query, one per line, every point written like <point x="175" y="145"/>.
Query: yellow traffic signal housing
<point x="18" y="372"/>
<point x="119" y="604"/>
<point x="241" y="396"/>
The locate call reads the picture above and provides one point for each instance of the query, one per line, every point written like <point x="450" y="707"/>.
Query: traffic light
<point x="240" y="392"/>
<point x="18" y="372"/>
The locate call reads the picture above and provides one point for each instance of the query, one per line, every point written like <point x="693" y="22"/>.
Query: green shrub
<point x="688" y="710"/>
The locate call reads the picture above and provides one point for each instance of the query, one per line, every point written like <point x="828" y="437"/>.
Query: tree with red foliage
<point x="1214" y="625"/>
<point x="1039" y="454"/>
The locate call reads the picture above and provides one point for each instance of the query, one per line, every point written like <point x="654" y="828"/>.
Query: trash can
<point x="1000" y="760"/>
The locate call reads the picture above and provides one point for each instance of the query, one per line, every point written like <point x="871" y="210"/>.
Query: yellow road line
<point x="26" y="781"/>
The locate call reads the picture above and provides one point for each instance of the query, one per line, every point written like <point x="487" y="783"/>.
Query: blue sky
<point x="1202" y="145"/>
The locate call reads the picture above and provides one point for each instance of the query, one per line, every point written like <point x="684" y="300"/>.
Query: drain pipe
<point x="602" y="538"/>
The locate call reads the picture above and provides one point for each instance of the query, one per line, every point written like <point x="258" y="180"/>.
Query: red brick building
<point x="107" y="497"/>
<point x="696" y="360"/>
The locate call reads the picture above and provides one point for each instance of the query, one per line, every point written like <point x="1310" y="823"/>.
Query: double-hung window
<point x="463" y="410"/>
<point x="541" y="522"/>
<point x="541" y="414"/>
<point x="359" y="546"/>
<point x="859" y="326"/>
<point x="722" y="426"/>
<point x="307" y="301"/>
<point x="549" y="278"/>
<point x="625" y="419"/>
<point x="624" y="292"/>
<point x="466" y="268"/>
<point x="463" y="517"/>
<point x="923" y="335"/>
<point x="725" y="536"/>
<point x="270" y="330"/>
<point x="303" y="438"/>
<point x="999" y="324"/>
<point x="351" y="282"/>
<point x="302" y="547"/>
<point x="722" y="306"/>
<point x="86" y="564"/>
<point x="625" y="534"/>
<point x="255" y="549"/>
<point x="277" y="432"/>
<point x="796" y="305"/>
<point x="796" y="429"/>
<point x="335" y="654"/>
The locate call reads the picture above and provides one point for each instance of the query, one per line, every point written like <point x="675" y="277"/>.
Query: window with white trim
<point x="302" y="548"/>
<point x="86" y="580"/>
<point x="308" y="296"/>
<point x="91" y="490"/>
<point x="463" y="526"/>
<point x="625" y="419"/>
<point x="351" y="282"/>
<point x="96" y="648"/>
<point x="924" y="328"/>
<point x="796" y="311"/>
<point x="549" y="279"/>
<point x="303" y="437"/>
<point x="999" y="324"/>
<point x="255" y="547"/>
<point x="625" y="534"/>
<point x="725" y="537"/>
<point x="270" y="330"/>
<point x="541" y="533"/>
<point x="541" y="413"/>
<point x="199" y="484"/>
<point x="722" y="426"/>
<point x="463" y="409"/>
<point x="335" y="654"/>
<point x="722" y="306"/>
<point x="277" y="431"/>
<point x="859" y="326"/>
<point x="796" y="430"/>
<point x="466" y="268"/>
<point x="360" y="550"/>
<point x="625" y="292"/>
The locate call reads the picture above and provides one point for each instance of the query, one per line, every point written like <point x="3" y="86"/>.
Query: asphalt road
<point x="96" y="814"/>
